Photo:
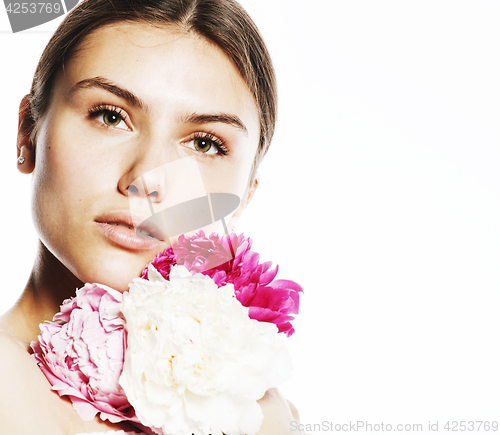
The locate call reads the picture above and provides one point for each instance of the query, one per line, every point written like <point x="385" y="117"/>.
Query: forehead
<point x="163" y="65"/>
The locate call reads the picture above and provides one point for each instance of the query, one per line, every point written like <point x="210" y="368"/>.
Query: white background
<point x="380" y="196"/>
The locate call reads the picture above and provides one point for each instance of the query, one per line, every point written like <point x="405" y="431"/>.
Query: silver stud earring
<point x="21" y="160"/>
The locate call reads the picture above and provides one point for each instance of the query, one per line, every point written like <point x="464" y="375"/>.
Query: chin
<point x="117" y="272"/>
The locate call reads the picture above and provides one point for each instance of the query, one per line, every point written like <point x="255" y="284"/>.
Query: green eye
<point x="207" y="144"/>
<point x="202" y="145"/>
<point x="111" y="118"/>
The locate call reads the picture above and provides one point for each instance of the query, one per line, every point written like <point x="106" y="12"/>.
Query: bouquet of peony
<point x="190" y="348"/>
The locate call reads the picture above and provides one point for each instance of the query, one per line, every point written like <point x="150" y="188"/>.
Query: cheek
<point x="231" y="174"/>
<point x="234" y="179"/>
<point x="65" y="174"/>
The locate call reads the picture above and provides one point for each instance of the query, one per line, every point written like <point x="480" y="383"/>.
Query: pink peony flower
<point x="163" y="262"/>
<point x="268" y="301"/>
<point x="82" y="352"/>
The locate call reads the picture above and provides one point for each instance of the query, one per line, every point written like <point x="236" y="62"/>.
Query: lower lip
<point x="126" y="238"/>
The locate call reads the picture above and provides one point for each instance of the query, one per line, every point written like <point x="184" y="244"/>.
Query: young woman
<point x="128" y="97"/>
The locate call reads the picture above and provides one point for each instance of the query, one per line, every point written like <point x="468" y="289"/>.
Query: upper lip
<point x="134" y="220"/>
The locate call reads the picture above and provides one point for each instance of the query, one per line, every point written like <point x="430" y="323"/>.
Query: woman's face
<point x="141" y="119"/>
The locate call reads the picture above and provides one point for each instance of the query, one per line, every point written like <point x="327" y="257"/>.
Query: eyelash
<point x="216" y="141"/>
<point x="100" y="109"/>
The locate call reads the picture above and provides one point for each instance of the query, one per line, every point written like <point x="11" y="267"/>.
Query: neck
<point x="49" y="284"/>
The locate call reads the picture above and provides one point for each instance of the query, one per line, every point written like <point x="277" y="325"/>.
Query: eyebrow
<point x="134" y="100"/>
<point x="225" y="118"/>
<point x="107" y="85"/>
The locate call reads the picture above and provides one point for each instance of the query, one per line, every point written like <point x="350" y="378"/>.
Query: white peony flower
<point x="195" y="362"/>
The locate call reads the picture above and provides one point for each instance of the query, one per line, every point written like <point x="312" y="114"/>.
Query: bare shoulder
<point x="22" y="388"/>
<point x="15" y="359"/>
<point x="28" y="405"/>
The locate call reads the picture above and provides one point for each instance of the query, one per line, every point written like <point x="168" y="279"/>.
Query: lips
<point x="118" y="227"/>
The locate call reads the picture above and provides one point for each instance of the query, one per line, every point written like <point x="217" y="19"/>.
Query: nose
<point x="146" y="194"/>
<point x="150" y="185"/>
<point x="144" y="175"/>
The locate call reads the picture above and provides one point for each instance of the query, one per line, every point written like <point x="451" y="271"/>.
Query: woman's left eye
<point x="206" y="145"/>
<point x="112" y="119"/>
<point x="203" y="145"/>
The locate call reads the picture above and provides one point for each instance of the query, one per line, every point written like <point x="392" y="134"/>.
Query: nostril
<point x="132" y="189"/>
<point x="154" y="194"/>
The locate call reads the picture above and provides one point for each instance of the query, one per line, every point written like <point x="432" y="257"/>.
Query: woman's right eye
<point x="110" y="116"/>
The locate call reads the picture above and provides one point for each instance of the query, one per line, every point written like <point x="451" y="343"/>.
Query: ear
<point x="247" y="197"/>
<point x="25" y="147"/>
<point x="252" y="188"/>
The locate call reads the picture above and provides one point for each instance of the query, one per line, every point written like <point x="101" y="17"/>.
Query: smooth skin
<point x="93" y="143"/>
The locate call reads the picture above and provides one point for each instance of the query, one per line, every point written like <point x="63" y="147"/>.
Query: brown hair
<point x="223" y="22"/>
